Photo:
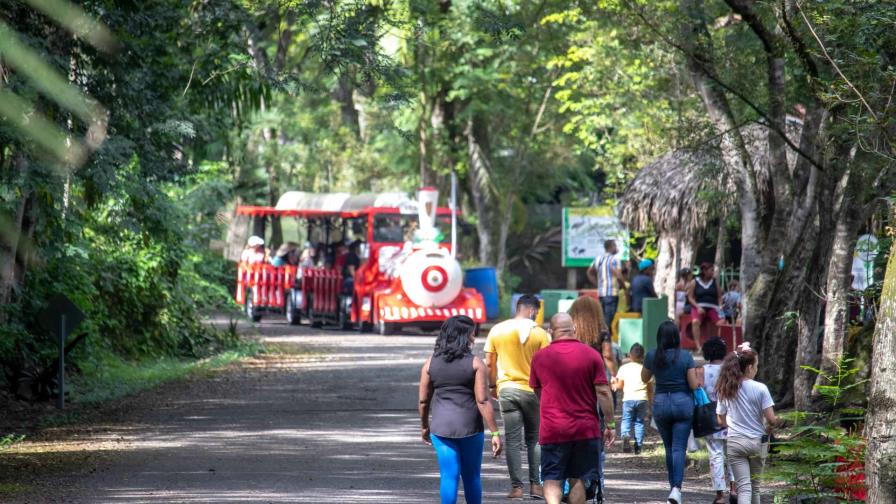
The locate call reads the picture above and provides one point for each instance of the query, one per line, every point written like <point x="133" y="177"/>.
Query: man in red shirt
<point x="570" y="380"/>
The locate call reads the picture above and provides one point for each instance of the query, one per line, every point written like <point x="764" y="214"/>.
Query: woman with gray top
<point x="454" y="387"/>
<point x="744" y="407"/>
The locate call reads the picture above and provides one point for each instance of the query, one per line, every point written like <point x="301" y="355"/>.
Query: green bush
<point x="814" y="460"/>
<point x="141" y="283"/>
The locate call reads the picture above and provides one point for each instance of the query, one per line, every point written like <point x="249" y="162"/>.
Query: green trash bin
<point x="654" y="311"/>
<point x="552" y="299"/>
<point x="630" y="332"/>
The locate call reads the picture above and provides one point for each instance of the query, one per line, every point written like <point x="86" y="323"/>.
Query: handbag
<point x="705" y="421"/>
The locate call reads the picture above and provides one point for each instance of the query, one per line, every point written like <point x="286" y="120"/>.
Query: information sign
<point x="584" y="232"/>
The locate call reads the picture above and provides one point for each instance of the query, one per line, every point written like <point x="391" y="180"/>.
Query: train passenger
<point x="254" y="253"/>
<point x="350" y="264"/>
<point x="287" y="255"/>
<point x="306" y="260"/>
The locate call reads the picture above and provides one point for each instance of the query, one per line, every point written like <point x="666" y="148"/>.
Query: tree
<point x="813" y="178"/>
<point x="880" y="419"/>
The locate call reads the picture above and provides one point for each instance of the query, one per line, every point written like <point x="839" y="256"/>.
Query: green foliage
<point x="108" y="376"/>
<point x="125" y="235"/>
<point x="10" y="439"/>
<point x="815" y="457"/>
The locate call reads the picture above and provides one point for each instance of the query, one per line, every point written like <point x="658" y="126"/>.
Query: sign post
<point x="584" y="233"/>
<point x="453" y="206"/>
<point x="59" y="317"/>
<point x="60" y="401"/>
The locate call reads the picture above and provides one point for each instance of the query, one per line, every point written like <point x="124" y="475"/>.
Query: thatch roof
<point x="684" y="190"/>
<point x="669" y="195"/>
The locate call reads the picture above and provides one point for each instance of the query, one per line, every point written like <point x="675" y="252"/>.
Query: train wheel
<point x="251" y="311"/>
<point x="314" y="319"/>
<point x="345" y="321"/>
<point x="293" y="315"/>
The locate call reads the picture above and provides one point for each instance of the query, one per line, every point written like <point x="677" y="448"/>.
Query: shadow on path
<point x="339" y="424"/>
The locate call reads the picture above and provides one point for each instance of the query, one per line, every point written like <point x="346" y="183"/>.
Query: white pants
<point x="747" y="459"/>
<point x="718" y="465"/>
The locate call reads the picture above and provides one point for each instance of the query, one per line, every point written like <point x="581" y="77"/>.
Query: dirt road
<point x="332" y="419"/>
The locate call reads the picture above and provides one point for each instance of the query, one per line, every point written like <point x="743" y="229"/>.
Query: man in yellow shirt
<point x="508" y="351"/>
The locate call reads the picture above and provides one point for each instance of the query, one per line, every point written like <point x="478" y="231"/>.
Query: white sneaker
<point x="675" y="496"/>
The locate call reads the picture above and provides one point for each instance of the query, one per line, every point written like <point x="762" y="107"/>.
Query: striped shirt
<point x="606" y="282"/>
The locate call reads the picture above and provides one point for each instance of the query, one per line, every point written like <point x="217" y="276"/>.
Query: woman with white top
<point x="745" y="406"/>
<point x="714" y="350"/>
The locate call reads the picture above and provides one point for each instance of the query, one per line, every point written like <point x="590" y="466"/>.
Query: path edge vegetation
<point x="113" y="194"/>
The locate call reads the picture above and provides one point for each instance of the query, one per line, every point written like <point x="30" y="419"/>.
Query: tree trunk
<point x="273" y="185"/>
<point x="880" y="426"/>
<point x="477" y="178"/>
<point x="808" y="318"/>
<point x="687" y="252"/>
<point x="423" y="151"/>
<point x="345" y="96"/>
<point x="666" y="273"/>
<point x="838" y="284"/>
<point x="506" y="216"/>
<point x="10" y="239"/>
<point x="721" y="258"/>
<point x="9" y="245"/>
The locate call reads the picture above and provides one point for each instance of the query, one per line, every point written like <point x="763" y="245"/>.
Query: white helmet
<point x="256" y="241"/>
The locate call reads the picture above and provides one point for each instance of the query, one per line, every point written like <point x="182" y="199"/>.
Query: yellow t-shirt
<point x="633" y="389"/>
<point x="515" y="341"/>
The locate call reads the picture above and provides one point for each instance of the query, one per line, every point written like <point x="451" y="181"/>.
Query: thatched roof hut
<point x="671" y="194"/>
<point x="684" y="190"/>
<point x="678" y="195"/>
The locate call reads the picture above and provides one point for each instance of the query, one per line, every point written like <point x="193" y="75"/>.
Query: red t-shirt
<point x="566" y="371"/>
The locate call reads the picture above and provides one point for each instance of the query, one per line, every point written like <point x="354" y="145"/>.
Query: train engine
<point x="419" y="283"/>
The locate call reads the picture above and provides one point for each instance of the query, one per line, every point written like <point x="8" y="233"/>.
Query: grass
<point x="113" y="377"/>
<point x="110" y="377"/>
<point x="12" y="488"/>
<point x="9" y="440"/>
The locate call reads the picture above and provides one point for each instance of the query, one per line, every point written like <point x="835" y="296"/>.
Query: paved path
<point x="336" y="425"/>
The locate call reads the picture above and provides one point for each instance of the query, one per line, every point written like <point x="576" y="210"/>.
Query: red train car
<point x="408" y="275"/>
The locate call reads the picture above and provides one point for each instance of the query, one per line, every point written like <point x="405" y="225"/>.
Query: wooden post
<point x="572" y="278"/>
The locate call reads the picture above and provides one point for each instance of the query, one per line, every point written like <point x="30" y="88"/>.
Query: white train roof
<point x="343" y="202"/>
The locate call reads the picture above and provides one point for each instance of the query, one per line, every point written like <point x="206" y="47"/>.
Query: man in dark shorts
<point x="570" y="380"/>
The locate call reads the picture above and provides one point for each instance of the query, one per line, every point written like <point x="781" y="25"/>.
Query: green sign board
<point x="584" y="232"/>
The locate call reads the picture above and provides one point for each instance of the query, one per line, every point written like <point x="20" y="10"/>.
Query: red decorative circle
<point x="424" y="278"/>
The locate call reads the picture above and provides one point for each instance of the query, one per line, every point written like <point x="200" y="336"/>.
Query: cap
<point x="255" y="241"/>
<point x="644" y="264"/>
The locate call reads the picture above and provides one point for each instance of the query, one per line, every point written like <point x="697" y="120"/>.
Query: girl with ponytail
<point x="744" y="405"/>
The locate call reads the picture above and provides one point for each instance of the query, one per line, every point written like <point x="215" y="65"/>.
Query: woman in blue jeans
<point x="673" y="403"/>
<point x="454" y="386"/>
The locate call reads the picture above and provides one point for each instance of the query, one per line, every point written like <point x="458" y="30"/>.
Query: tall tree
<point x="806" y="181"/>
<point x="880" y="420"/>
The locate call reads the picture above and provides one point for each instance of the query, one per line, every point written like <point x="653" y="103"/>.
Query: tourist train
<point x="408" y="275"/>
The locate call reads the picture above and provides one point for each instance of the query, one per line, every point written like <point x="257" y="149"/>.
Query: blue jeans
<point x="460" y="457"/>
<point x="674" y="414"/>
<point x="633" y="412"/>
<point x="609" y="304"/>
